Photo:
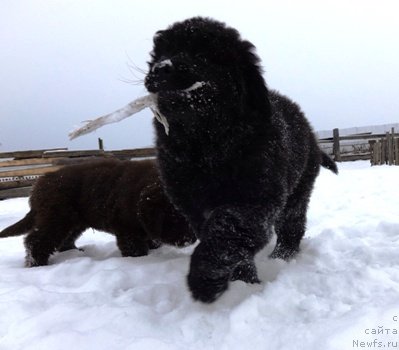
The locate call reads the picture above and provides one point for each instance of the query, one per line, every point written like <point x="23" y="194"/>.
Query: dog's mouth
<point x="186" y="92"/>
<point x="179" y="86"/>
<point x="181" y="93"/>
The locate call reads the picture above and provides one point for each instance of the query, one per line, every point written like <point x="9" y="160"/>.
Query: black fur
<point x="238" y="160"/>
<point x="121" y="197"/>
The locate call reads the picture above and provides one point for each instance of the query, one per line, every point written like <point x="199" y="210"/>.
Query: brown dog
<point x="124" y="198"/>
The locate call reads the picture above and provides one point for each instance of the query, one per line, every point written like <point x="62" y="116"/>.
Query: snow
<point x="195" y="86"/>
<point x="162" y="64"/>
<point x="341" y="291"/>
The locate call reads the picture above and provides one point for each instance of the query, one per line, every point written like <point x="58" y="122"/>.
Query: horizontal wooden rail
<point x="17" y="183"/>
<point x="15" y="192"/>
<point x="355" y="137"/>
<point x="27" y="154"/>
<point x="20" y="170"/>
<point x="72" y="154"/>
<point x="30" y="171"/>
<point x="26" y="162"/>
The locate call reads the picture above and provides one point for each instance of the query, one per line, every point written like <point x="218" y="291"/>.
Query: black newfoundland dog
<point x="121" y="197"/>
<point x="239" y="159"/>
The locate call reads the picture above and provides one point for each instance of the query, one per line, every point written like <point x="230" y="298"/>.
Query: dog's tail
<point x="20" y="227"/>
<point x="328" y="163"/>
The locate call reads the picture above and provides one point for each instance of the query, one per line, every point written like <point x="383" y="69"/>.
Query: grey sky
<point x="62" y="62"/>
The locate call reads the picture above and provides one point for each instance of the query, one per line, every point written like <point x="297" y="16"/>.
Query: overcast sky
<point x="62" y="62"/>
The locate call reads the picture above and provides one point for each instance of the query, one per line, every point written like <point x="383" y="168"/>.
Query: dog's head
<point x="160" y="219"/>
<point x="199" y="66"/>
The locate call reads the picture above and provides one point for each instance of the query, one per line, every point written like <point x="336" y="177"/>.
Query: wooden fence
<point x="385" y="150"/>
<point x="358" y="146"/>
<point x="19" y="170"/>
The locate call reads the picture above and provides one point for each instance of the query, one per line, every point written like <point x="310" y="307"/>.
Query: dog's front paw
<point x="246" y="272"/>
<point x="34" y="261"/>
<point x="206" y="287"/>
<point x="208" y="277"/>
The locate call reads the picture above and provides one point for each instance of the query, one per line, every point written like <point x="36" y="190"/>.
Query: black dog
<point x="239" y="159"/>
<point x="121" y="197"/>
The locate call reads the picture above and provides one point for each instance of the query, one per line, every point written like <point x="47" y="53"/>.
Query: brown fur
<point x="121" y="197"/>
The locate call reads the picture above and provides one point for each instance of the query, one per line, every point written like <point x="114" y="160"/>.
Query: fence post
<point x="336" y="147"/>
<point x="373" y="152"/>
<point x="383" y="151"/>
<point x="395" y="150"/>
<point x="390" y="148"/>
<point x="396" y="147"/>
<point x="100" y="144"/>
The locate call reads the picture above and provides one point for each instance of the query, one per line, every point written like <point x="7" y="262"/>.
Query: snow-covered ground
<point x="341" y="292"/>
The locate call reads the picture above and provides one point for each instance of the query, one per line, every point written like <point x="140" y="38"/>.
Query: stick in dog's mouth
<point x="148" y="101"/>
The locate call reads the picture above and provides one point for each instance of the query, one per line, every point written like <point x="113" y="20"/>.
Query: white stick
<point x="136" y="106"/>
<point x="132" y="108"/>
<point x="158" y="116"/>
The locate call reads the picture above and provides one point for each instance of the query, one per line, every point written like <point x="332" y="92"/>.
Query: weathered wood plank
<point x="372" y="151"/>
<point x="379" y="152"/>
<point x="66" y="154"/>
<point x="43" y="161"/>
<point x="354" y="137"/>
<point x="132" y="153"/>
<point x="26" y="162"/>
<point x="17" y="183"/>
<point x="27" y="154"/>
<point x="390" y="148"/>
<point x="353" y="157"/>
<point x="135" y="153"/>
<point x="375" y="152"/>
<point x="336" y="147"/>
<point x="396" y="146"/>
<point x="31" y="171"/>
<point x="383" y="151"/>
<point x="75" y="160"/>
<point x="15" y="192"/>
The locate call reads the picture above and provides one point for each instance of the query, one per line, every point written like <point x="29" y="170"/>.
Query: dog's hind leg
<point x="291" y="225"/>
<point x="69" y="242"/>
<point x="289" y="229"/>
<point x="41" y="243"/>
<point x="230" y="238"/>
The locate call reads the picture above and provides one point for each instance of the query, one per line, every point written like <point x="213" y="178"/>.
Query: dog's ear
<point x="160" y="43"/>
<point x="158" y="37"/>
<point x="252" y="83"/>
<point x="151" y="210"/>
